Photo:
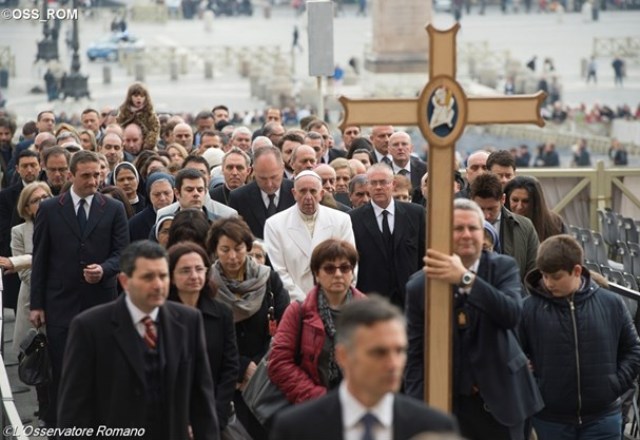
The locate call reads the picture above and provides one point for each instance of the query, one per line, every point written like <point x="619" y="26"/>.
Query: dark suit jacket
<point x="321" y="419"/>
<point x="60" y="253"/>
<point x="374" y="273"/>
<point x="220" y="194"/>
<point x="8" y="219"/>
<point x="335" y="153"/>
<point x="418" y="169"/>
<point x="222" y="350"/>
<point x="140" y="225"/>
<point x="103" y="380"/>
<point x="499" y="366"/>
<point x="247" y="200"/>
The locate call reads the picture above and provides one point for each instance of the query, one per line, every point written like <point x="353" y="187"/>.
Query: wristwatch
<point x="467" y="279"/>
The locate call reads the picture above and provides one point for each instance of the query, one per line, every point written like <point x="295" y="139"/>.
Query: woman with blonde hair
<point x="87" y="139"/>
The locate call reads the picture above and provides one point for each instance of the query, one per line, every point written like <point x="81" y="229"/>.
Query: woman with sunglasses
<point x="332" y="264"/>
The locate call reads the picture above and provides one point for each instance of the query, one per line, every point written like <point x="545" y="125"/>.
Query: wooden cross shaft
<point x="442" y="111"/>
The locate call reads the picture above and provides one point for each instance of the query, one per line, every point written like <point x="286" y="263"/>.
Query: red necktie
<point x="150" y="335"/>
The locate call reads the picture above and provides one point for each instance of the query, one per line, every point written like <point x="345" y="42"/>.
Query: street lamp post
<point x="48" y="46"/>
<point x="74" y="84"/>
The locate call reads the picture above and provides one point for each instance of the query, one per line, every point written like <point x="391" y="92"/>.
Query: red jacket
<point x="300" y="382"/>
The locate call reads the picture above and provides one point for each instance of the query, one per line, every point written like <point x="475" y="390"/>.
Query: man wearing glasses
<point x="56" y="168"/>
<point x="389" y="238"/>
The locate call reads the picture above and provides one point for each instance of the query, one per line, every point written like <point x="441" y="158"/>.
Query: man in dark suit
<point x="77" y="240"/>
<point x="139" y="362"/>
<point x="236" y="168"/>
<point x="493" y="389"/>
<point x="28" y="168"/>
<point x="370" y="348"/>
<point x="379" y="137"/>
<point x="267" y="194"/>
<point x="389" y="238"/>
<point x="404" y="163"/>
<point x="328" y="153"/>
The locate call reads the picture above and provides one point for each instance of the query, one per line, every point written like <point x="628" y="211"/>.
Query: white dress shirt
<point x="353" y="410"/>
<point x="265" y="198"/>
<point x="138" y="315"/>
<point x="76" y="202"/>
<point x="391" y="209"/>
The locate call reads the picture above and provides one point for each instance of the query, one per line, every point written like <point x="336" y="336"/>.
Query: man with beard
<point x="7" y="130"/>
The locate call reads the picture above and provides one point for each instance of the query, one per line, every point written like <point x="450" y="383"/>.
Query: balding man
<point x="259" y="142"/>
<point x="111" y="147"/>
<point x="302" y="158"/>
<point x="133" y="141"/>
<point x="379" y="137"/>
<point x="403" y="162"/>
<point x="274" y="131"/>
<point x="328" y="176"/>
<point x="183" y="134"/>
<point x="292" y="234"/>
<point x="476" y="165"/>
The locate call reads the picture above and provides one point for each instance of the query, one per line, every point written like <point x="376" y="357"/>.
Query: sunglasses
<point x="331" y="268"/>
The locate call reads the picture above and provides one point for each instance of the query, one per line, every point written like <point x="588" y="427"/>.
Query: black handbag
<point x="234" y="429"/>
<point x="261" y="395"/>
<point x="34" y="365"/>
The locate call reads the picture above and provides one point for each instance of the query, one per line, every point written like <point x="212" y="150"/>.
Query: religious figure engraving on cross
<point x="442" y="111"/>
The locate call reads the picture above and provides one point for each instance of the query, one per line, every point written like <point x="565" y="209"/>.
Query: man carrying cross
<point x="493" y="390"/>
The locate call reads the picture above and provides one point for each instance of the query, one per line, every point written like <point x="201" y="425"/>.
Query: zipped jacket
<point x="584" y="349"/>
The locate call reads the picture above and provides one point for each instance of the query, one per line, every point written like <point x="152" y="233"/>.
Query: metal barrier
<point x="626" y="47"/>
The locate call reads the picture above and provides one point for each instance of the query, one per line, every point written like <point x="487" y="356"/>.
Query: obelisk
<point x="399" y="45"/>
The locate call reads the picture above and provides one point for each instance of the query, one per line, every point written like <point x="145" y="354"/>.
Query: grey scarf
<point x="244" y="297"/>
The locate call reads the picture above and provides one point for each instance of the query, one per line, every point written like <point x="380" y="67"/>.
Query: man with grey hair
<point x="292" y="234"/>
<point x="259" y="142"/>
<point x="274" y="131"/>
<point x="494" y="392"/>
<point x="389" y="237"/>
<point x="358" y="191"/>
<point x="371" y="343"/>
<point x="236" y="168"/>
<point x="241" y="138"/>
<point x="302" y="158"/>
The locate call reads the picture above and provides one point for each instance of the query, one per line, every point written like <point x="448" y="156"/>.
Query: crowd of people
<point x="167" y="260"/>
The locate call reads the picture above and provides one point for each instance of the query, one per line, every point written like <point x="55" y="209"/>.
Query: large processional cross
<point x="442" y="111"/>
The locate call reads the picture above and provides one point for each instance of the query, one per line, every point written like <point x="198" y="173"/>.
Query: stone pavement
<point x="523" y="35"/>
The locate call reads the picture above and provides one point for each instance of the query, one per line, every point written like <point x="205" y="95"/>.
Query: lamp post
<point x="74" y="84"/>
<point x="48" y="46"/>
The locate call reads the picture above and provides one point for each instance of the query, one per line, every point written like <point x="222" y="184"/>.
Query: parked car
<point x="108" y="47"/>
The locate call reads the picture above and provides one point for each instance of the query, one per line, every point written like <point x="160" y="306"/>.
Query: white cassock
<point x="289" y="244"/>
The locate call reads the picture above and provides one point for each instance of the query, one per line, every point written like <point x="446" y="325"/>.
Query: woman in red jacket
<point x="332" y="264"/>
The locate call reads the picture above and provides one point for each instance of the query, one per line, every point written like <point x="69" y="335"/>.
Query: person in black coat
<point x="159" y="194"/>
<point x="386" y="262"/>
<point x="189" y="266"/>
<point x="75" y="257"/>
<point x="139" y="362"/>
<point x="368" y="333"/>
<point x="494" y="393"/>
<point x="256" y="297"/>
<point x="268" y="194"/>
<point x="582" y="344"/>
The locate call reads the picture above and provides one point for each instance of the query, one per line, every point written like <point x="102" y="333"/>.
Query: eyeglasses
<point x="331" y="268"/>
<point x="38" y="200"/>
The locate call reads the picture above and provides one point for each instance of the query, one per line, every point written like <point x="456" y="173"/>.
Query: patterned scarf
<point x="243" y="297"/>
<point x="330" y="329"/>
